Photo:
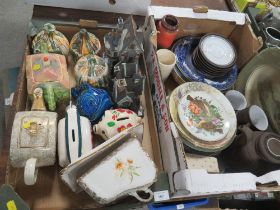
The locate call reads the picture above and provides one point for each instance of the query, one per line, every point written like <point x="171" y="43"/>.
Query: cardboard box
<point x="50" y="193"/>
<point x="185" y="183"/>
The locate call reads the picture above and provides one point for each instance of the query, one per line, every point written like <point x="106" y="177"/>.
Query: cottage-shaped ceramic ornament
<point x="128" y="170"/>
<point x="115" y="121"/>
<point x="74" y="136"/>
<point x="33" y="142"/>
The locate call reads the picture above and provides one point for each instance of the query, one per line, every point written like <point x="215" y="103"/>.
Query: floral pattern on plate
<point x="202" y="116"/>
<point x="126" y="167"/>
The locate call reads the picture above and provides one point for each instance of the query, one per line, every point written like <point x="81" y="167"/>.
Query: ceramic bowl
<point x="237" y="100"/>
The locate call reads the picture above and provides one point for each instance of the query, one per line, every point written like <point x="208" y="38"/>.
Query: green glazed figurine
<point x="54" y="93"/>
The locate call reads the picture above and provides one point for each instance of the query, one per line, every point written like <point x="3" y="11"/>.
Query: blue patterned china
<point x="183" y="50"/>
<point x="91" y="102"/>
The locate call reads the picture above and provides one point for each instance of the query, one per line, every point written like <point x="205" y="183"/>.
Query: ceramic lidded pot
<point x="93" y="70"/>
<point x="91" y="102"/>
<point x="56" y="42"/>
<point x="84" y="43"/>
<point x="115" y="121"/>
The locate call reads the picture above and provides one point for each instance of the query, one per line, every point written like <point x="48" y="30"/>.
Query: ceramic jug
<point x="115" y="121"/>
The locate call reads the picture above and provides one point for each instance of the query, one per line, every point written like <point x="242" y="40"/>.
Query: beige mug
<point x="167" y="61"/>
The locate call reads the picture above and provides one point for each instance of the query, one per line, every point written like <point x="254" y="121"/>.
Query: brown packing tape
<point x="88" y="23"/>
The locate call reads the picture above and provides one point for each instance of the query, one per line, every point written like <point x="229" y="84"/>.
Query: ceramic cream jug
<point x="115" y="121"/>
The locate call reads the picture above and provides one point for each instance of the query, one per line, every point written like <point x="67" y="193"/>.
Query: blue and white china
<point x="183" y="50"/>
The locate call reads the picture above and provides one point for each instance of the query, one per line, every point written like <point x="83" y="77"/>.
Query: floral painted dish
<point x="203" y="116"/>
<point x="190" y="140"/>
<point x="183" y="50"/>
<point x="128" y="170"/>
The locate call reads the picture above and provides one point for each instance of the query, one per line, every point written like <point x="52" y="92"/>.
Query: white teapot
<point x="115" y="121"/>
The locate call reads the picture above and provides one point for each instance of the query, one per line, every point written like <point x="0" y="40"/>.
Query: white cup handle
<point x="30" y="172"/>
<point x="145" y="200"/>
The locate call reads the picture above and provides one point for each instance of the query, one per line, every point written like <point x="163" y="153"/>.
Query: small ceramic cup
<point x="167" y="61"/>
<point x="254" y="116"/>
<point x="273" y="36"/>
<point x="237" y="100"/>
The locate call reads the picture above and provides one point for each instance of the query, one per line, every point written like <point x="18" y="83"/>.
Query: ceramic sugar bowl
<point x="115" y="121"/>
<point x="33" y="142"/>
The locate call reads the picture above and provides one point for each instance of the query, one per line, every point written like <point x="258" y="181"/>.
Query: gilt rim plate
<point x="188" y="139"/>
<point x="203" y="116"/>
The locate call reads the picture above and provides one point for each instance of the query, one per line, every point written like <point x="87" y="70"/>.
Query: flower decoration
<point x="126" y="167"/>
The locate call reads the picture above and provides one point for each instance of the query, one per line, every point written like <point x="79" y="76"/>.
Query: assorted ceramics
<point x="84" y="43"/>
<point x="254" y="116"/>
<point x="237" y="100"/>
<point x="115" y="121"/>
<point x="33" y="142"/>
<point x="259" y="81"/>
<point x="93" y="70"/>
<point x="91" y="102"/>
<point x="54" y="40"/>
<point x="203" y="116"/>
<point x="167" y="61"/>
<point x="75" y="170"/>
<point x="128" y="170"/>
<point x="258" y="152"/>
<point x="211" y="111"/>
<point x="183" y="50"/>
<point x="74" y="137"/>
<point x="42" y="68"/>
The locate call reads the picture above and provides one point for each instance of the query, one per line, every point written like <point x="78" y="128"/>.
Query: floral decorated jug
<point x="56" y="42"/>
<point x="115" y="121"/>
<point x="84" y="43"/>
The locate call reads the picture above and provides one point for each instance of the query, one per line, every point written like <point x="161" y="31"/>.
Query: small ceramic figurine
<point x="93" y="70"/>
<point x="54" y="93"/>
<point x="91" y="102"/>
<point x="55" y="40"/>
<point x="115" y="121"/>
<point x="84" y="43"/>
<point x="74" y="137"/>
<point x="42" y="68"/>
<point x="38" y="100"/>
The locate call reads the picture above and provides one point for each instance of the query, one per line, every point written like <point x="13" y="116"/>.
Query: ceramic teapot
<point x="33" y="139"/>
<point x="115" y="121"/>
<point x="56" y="42"/>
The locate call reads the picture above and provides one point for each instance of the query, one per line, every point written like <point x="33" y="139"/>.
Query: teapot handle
<point x="30" y="171"/>
<point x="145" y="200"/>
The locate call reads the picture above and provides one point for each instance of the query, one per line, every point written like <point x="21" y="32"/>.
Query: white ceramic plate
<point x="218" y="50"/>
<point x="203" y="116"/>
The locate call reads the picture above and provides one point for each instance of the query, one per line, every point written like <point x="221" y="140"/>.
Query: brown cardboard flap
<point x="191" y="26"/>
<point x="246" y="43"/>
